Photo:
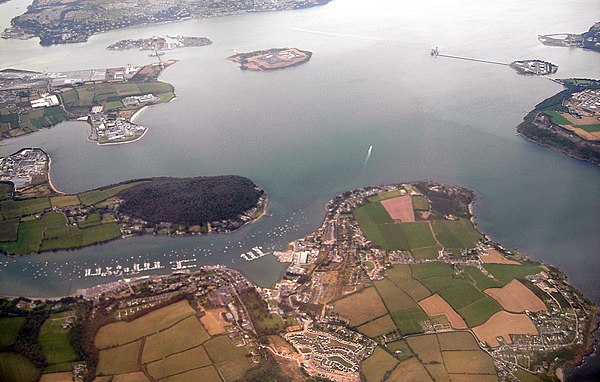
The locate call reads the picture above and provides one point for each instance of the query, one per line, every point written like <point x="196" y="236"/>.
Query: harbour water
<point x="302" y="133"/>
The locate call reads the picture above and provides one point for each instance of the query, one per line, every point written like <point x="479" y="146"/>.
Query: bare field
<point x="361" y="307"/>
<point x="378" y="327"/>
<point x="119" y="360"/>
<point x="436" y="305"/>
<point x="426" y="347"/>
<point x="503" y="324"/>
<point x="400" y="208"/>
<point x="495" y="257"/>
<point x="473" y="378"/>
<point x="64" y="201"/>
<point x="377" y="365"/>
<point x="410" y="370"/>
<point x="468" y="362"/>
<point x="136" y="376"/>
<point x="516" y="297"/>
<point x="213" y="321"/>
<point x="208" y="374"/>
<point x="178" y="363"/>
<point x="67" y="376"/>
<point x="457" y="341"/>
<point x="184" y="335"/>
<point x="438" y="372"/>
<point x="119" y="333"/>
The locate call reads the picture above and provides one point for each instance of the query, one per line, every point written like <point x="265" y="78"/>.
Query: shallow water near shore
<point x="303" y="134"/>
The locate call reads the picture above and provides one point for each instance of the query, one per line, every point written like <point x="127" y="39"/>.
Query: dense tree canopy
<point x="190" y="201"/>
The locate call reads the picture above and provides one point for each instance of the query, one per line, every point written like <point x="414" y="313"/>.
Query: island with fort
<point x="67" y="21"/>
<point x="157" y="43"/>
<point x="587" y="40"/>
<point x="35" y="217"/>
<point x="396" y="283"/>
<point x="108" y="99"/>
<point x="272" y="59"/>
<point x="569" y="121"/>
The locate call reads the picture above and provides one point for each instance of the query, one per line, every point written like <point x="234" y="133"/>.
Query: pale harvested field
<point x="436" y="305"/>
<point x="67" y="376"/>
<point x="426" y="347"/>
<point x="179" y="363"/>
<point x="595" y="136"/>
<point x="400" y="208"/>
<point x="185" y="335"/>
<point x="468" y="362"/>
<point x="410" y="370"/>
<point x="438" y="372"/>
<point x="516" y="297"/>
<point x="473" y="378"/>
<point x="122" y="332"/>
<point x="208" y="374"/>
<point x="457" y="341"/>
<point x="378" y="327"/>
<point x="119" y="360"/>
<point x="213" y="321"/>
<point x="361" y="307"/>
<point x="495" y="257"/>
<point x="136" y="376"/>
<point x="64" y="201"/>
<point x="502" y="324"/>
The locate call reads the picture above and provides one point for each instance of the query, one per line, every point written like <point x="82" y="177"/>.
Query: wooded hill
<point x="190" y="201"/>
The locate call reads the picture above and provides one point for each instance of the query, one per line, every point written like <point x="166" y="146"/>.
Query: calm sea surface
<point x="302" y="134"/>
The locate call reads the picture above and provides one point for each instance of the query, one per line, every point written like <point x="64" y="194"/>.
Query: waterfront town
<point x="159" y="43"/>
<point x="108" y="99"/>
<point x="25" y="168"/>
<point x="347" y="308"/>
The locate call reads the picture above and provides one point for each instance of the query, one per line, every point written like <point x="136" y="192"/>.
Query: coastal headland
<point x="587" y="40"/>
<point x="396" y="281"/>
<point x="75" y="21"/>
<point x="569" y="121"/>
<point x="157" y="43"/>
<point x="272" y="59"/>
<point x="35" y="218"/>
<point x="106" y="98"/>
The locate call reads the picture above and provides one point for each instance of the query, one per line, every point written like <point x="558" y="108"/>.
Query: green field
<point x="481" y="281"/>
<point x="16" y="368"/>
<point x="405" y="312"/>
<point x="506" y="273"/>
<point x="9" y="230"/>
<point x="9" y="328"/>
<point x="6" y="190"/>
<point x="590" y="128"/>
<point x="111" y="94"/>
<point x="557" y="118"/>
<point x="51" y="232"/>
<point x="385" y="195"/>
<point x="460" y="294"/>
<point x="55" y="342"/>
<point x="420" y="203"/>
<point x="17" y="208"/>
<point x="478" y="312"/>
<point x="432" y="269"/>
<point x="229" y="359"/>
<point x="456" y="234"/>
<point x="89" y="198"/>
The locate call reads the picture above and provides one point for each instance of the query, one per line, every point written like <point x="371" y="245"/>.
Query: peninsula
<point x="534" y="67"/>
<point x="568" y="122"/>
<point x="65" y="22"/>
<point x="272" y="59"/>
<point x="108" y="99"/>
<point x="396" y="282"/>
<point x="157" y="43"/>
<point x="588" y="40"/>
<point x="36" y="221"/>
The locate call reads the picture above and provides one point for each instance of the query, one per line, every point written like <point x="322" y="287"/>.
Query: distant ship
<point x="435" y="51"/>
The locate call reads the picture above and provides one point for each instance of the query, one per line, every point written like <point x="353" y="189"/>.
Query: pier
<point x="472" y="59"/>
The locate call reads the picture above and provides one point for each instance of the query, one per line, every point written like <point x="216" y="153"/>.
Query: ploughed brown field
<point x="435" y="305"/>
<point x="495" y="257"/>
<point x="213" y="321"/>
<point x="516" y="297"/>
<point x="400" y="208"/>
<point x="502" y="324"/>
